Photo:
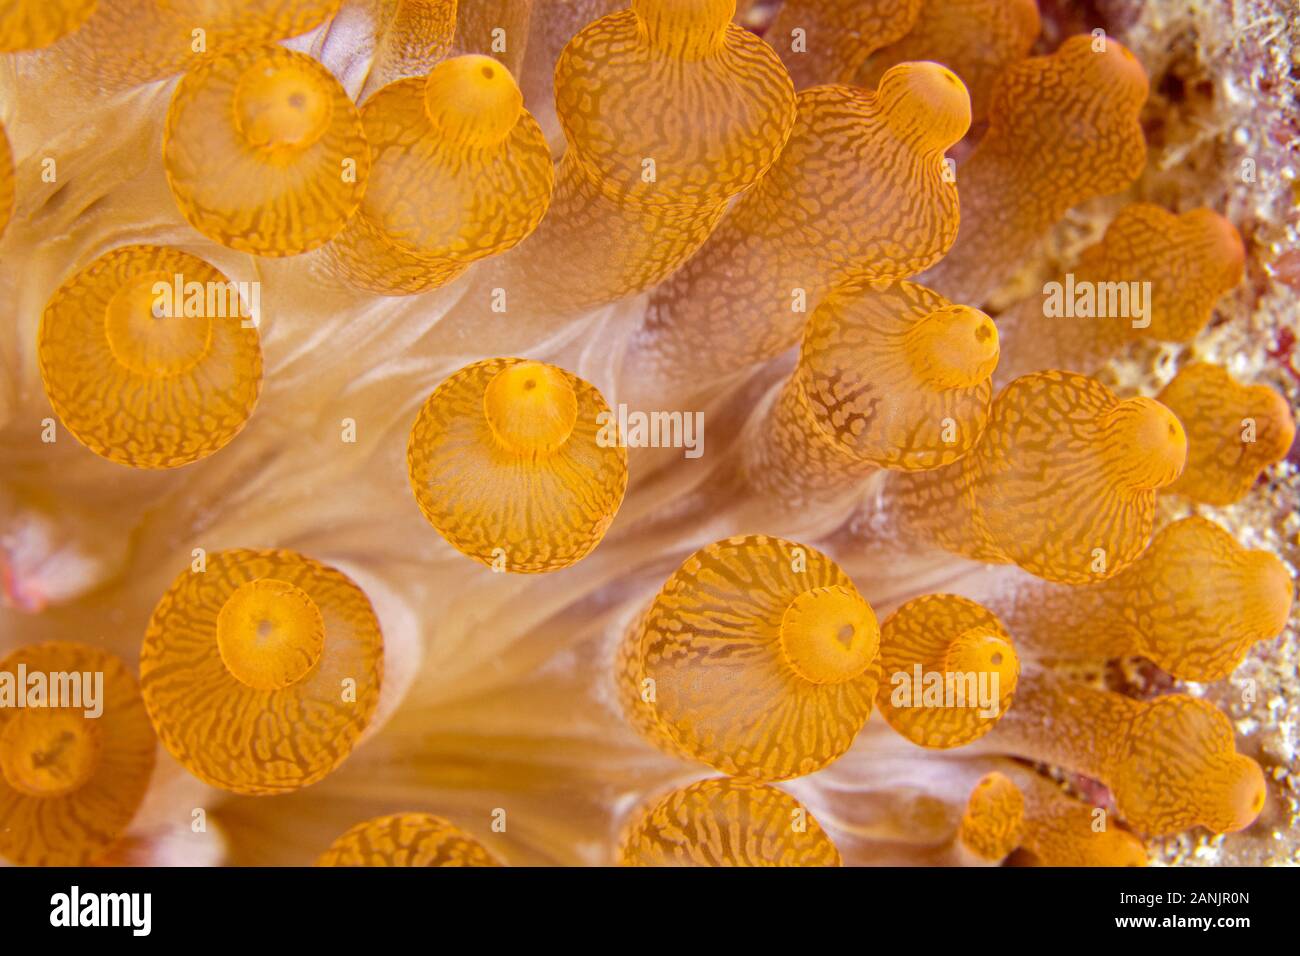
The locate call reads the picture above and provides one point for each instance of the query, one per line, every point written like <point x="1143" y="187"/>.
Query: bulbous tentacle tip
<point x="926" y="99"/>
<point x="954" y="347"/>
<point x="985" y="650"/>
<point x="1224" y="245"/>
<point x="270" y="634"/>
<point x="1179" y="768"/>
<point x="993" y="823"/>
<point x="1147" y="443"/>
<point x="1269" y="594"/>
<point x="829" y="635"/>
<point x="760" y="658"/>
<point x="473" y="99"/>
<point x="531" y="408"/>
<point x="1245" y="794"/>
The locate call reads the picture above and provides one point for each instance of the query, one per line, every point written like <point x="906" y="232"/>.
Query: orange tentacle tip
<point x="948" y="671"/>
<point x="406" y="839"/>
<point x="758" y="657"/>
<point x="1234" y="432"/>
<point x="1196" y="601"/>
<point x="899" y="376"/>
<point x="993" y="822"/>
<point x="261" y="670"/>
<point x="1179" y="768"/>
<point x="459" y="171"/>
<point x="512" y="461"/>
<point x="725" y="822"/>
<point x="75" y="764"/>
<point x="264" y="152"/>
<point x="151" y="357"/>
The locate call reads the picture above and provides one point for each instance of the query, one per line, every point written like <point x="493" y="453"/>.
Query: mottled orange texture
<point x="261" y="671"/>
<point x="669" y="110"/>
<point x="1234" y="432"/>
<point x="723" y="822"/>
<point x="509" y="460"/>
<point x="1193" y="603"/>
<point x="6" y="181"/>
<point x="1090" y="520"/>
<point x="757" y="657"/>
<point x="1062" y="129"/>
<point x="70" y="783"/>
<point x="1171" y="763"/>
<point x="30" y="24"/>
<point x="1062" y="831"/>
<point x="406" y="839"/>
<point x="144" y="377"/>
<point x="459" y="171"/>
<point x="965" y="645"/>
<point x="827" y="41"/>
<point x="976" y="39"/>
<point x="861" y="192"/>
<point x="993" y="823"/>
<point x="1190" y="261"/>
<point x="889" y="377"/>
<point x="129" y="42"/>
<point x="415" y="35"/>
<point x="264" y="152"/>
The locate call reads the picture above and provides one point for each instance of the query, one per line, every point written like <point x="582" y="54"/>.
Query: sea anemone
<point x="982" y="305"/>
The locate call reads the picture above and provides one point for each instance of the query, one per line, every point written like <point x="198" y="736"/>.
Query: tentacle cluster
<point x="1062" y="129"/>
<point x="1111" y="457"/>
<point x="830" y="210"/>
